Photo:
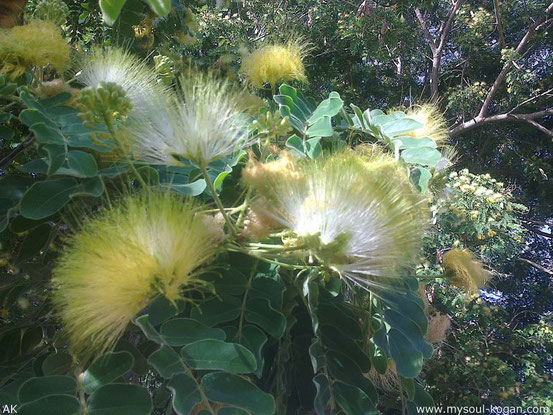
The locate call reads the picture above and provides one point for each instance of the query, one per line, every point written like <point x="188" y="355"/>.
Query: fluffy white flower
<point x="361" y="218"/>
<point x="148" y="97"/>
<point x="206" y="124"/>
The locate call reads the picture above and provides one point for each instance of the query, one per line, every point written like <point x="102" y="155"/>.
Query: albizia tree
<point x="180" y="242"/>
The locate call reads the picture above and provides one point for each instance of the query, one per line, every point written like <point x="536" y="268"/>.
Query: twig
<point x="529" y="100"/>
<point x="5" y="162"/>
<point x="537" y="266"/>
<point x="522" y="44"/>
<point x="527" y="118"/>
<point x="498" y="24"/>
<point x="537" y="231"/>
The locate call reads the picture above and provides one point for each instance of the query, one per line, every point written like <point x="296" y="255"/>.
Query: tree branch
<point x="537" y="231"/>
<point x="425" y="30"/>
<point x="531" y="29"/>
<point x="5" y="162"/>
<point x="437" y="49"/>
<point x="447" y="28"/>
<point x="498" y="24"/>
<point x="530" y="100"/>
<point x="537" y="266"/>
<point x="527" y="118"/>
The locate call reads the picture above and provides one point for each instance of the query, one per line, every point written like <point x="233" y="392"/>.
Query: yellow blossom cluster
<point x="37" y="44"/>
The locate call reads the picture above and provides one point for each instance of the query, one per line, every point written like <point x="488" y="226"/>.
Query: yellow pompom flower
<point x="432" y="120"/>
<point x="148" y="245"/>
<point x="355" y="218"/>
<point x="34" y="45"/>
<point x="463" y="270"/>
<point x="274" y="63"/>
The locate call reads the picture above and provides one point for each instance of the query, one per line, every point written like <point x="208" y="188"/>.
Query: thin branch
<point x="447" y="28"/>
<point x="498" y="24"/>
<point x="527" y="118"/>
<point x="437" y="48"/>
<point x="537" y="231"/>
<point x="540" y="127"/>
<point x="425" y="30"/>
<point x="530" y="100"/>
<point x="5" y="162"/>
<point x="537" y="266"/>
<point x="491" y="93"/>
<point x="545" y="24"/>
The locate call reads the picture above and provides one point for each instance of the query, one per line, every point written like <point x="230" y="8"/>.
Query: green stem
<point x="242" y="215"/>
<point x="80" y="386"/>
<point x="242" y="311"/>
<point x="109" y="124"/>
<point x="218" y="202"/>
<point x="270" y="261"/>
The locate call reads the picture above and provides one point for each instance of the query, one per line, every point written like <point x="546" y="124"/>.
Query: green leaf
<point x="407" y="358"/>
<point x="111" y="10"/>
<point x="313" y="147"/>
<point x="6" y="133"/>
<point x="12" y="189"/>
<point x="166" y="362"/>
<point x="107" y="368"/>
<point x="83" y="164"/>
<point x="144" y="323"/>
<point x="322" y="128"/>
<point x="237" y="391"/>
<point x="140" y="365"/>
<point x="36" y="388"/>
<point x="47" y="135"/>
<point x="159" y="7"/>
<point x="6" y="116"/>
<point x="30" y="117"/>
<point x="254" y="339"/>
<point x="185" y="393"/>
<point x="329" y="108"/>
<point x="379" y="360"/>
<point x="408" y="387"/>
<point x="260" y="312"/>
<point x="212" y="354"/>
<point x="120" y="399"/>
<point x="413" y="142"/>
<point x="353" y="400"/>
<point x="188" y="189"/>
<point x="59" y="363"/>
<point x="181" y="331"/>
<point x="410" y="330"/>
<point x="420" y="177"/>
<point x="34" y="242"/>
<point x="231" y="282"/>
<point x="217" y="310"/>
<point x="294" y="105"/>
<point x="340" y="341"/>
<point x="264" y="286"/>
<point x="422" y="397"/>
<point x="51" y="405"/>
<point x="47" y="197"/>
<point x="296" y="145"/>
<point x="160" y="310"/>
<point x="426" y="156"/>
<point x="55" y="157"/>
<point x="322" y="398"/>
<point x="231" y="411"/>
<point x="395" y="127"/>
<point x="338" y="317"/>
